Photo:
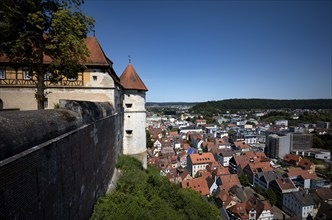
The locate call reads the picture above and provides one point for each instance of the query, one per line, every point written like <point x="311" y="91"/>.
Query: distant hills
<point x="214" y="107"/>
<point x="170" y="104"/>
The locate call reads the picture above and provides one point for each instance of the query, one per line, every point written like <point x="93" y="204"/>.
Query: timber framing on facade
<point x="97" y="82"/>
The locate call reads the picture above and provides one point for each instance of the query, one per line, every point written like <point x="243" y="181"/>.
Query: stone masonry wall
<point x="62" y="177"/>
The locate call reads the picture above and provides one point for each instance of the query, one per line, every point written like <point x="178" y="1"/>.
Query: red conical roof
<point x="130" y="80"/>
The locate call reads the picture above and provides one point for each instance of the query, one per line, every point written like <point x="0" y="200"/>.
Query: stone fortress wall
<point x="63" y="159"/>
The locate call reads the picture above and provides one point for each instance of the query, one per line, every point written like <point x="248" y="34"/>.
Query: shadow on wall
<point x="54" y="164"/>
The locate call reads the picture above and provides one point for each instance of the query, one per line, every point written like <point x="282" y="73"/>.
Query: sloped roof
<point x="324" y="193"/>
<point x="221" y="170"/>
<point x="228" y="181"/>
<point x="130" y="79"/>
<point x="295" y="172"/>
<point x="198" y="184"/>
<point x="202" y="158"/>
<point x="97" y="55"/>
<point x="285" y="183"/>
<point x="260" y="167"/>
<point x="241" y="210"/>
<point x="290" y="157"/>
<point x="303" y="198"/>
<point x="306" y="164"/>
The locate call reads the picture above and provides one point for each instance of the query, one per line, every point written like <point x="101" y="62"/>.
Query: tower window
<point x="129" y="105"/>
<point x="129" y="131"/>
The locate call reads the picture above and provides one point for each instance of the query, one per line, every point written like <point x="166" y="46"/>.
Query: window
<point x="46" y="103"/>
<point x="94" y="78"/>
<point x="71" y="78"/>
<point x="2" y="73"/>
<point x="129" y="131"/>
<point x="129" y="105"/>
<point x="26" y="74"/>
<point x="48" y="76"/>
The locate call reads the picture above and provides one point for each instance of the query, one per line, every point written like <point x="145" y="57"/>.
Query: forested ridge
<point x="144" y="194"/>
<point x="215" y="107"/>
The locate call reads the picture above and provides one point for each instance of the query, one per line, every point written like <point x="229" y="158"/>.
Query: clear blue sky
<point x="197" y="51"/>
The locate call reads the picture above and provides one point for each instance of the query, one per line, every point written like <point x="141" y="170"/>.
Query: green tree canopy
<point x="144" y="194"/>
<point x="32" y="29"/>
<point x="243" y="180"/>
<point x="271" y="196"/>
<point x="149" y="142"/>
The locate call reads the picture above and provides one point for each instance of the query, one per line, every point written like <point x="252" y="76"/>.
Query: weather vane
<point x="129" y="58"/>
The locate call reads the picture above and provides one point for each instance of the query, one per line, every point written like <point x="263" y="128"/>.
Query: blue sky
<point x="196" y="51"/>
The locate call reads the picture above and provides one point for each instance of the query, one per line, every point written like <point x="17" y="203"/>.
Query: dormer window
<point x="129" y="105"/>
<point x="129" y="132"/>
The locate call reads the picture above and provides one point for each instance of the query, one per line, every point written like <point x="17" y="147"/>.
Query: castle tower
<point x="134" y="137"/>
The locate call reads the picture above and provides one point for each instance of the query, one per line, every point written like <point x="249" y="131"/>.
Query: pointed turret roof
<point x="130" y="79"/>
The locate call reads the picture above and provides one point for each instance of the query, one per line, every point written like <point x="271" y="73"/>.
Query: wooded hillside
<point x="144" y="194"/>
<point x="215" y="107"/>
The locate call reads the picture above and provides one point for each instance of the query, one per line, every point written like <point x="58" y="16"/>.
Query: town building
<point x="199" y="161"/>
<point x="282" y="186"/>
<point x="277" y="145"/>
<point x="97" y="83"/>
<point x="299" y="204"/>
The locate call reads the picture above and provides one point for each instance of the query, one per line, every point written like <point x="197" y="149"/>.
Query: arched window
<point x="1" y="104"/>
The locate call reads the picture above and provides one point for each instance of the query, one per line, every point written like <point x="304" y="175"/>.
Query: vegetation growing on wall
<point x="144" y="194"/>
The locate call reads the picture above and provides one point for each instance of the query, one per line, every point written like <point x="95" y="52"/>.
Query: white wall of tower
<point x="134" y="137"/>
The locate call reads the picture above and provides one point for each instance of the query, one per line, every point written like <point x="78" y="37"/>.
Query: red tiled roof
<point x="228" y="181"/>
<point x="292" y="157"/>
<point x="262" y="166"/>
<point x="198" y="184"/>
<point x="202" y="158"/>
<point x="306" y="164"/>
<point x="173" y="133"/>
<point x="241" y="145"/>
<point x="223" y="196"/>
<point x="285" y="183"/>
<point x="221" y="170"/>
<point x="185" y="146"/>
<point x="241" y="210"/>
<point x="97" y="55"/>
<point x="130" y="80"/>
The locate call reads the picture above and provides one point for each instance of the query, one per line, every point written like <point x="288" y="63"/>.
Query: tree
<point x="149" y="142"/>
<point x="271" y="196"/>
<point x="243" y="180"/>
<point x="34" y="29"/>
<point x="144" y="194"/>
